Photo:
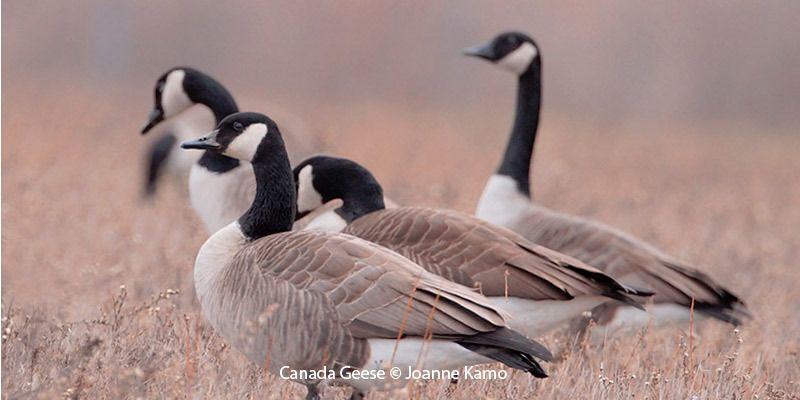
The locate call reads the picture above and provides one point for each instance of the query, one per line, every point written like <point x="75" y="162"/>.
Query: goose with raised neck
<point x="506" y="201"/>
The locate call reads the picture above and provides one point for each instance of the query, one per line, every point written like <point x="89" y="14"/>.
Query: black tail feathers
<point x="510" y="348"/>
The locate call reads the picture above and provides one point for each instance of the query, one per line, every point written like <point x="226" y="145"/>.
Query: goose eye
<point x="237" y="126"/>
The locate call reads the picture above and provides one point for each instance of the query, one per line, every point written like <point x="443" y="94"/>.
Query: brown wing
<point x="630" y="260"/>
<point x="315" y="296"/>
<point x="471" y="252"/>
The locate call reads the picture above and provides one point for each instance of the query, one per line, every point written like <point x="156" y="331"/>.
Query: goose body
<point x="634" y="262"/>
<point x="269" y="299"/>
<point x="307" y="300"/>
<point x="539" y="287"/>
<point x="506" y="201"/>
<point x="220" y="188"/>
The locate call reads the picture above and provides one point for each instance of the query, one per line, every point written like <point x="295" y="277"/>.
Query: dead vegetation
<point x="97" y="292"/>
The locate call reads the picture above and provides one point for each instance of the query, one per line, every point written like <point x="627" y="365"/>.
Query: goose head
<point x="513" y="51"/>
<point x="255" y="138"/>
<point x="180" y="88"/>
<point x="320" y="179"/>
<point x="245" y="136"/>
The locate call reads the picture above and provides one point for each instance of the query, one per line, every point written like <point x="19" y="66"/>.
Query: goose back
<point x="630" y="260"/>
<point x="471" y="252"/>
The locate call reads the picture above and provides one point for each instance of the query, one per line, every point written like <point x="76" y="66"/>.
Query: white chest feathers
<point x="501" y="202"/>
<point x="221" y="198"/>
<point x="213" y="257"/>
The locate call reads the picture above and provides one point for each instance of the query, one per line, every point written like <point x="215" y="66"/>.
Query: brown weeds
<point x="75" y="229"/>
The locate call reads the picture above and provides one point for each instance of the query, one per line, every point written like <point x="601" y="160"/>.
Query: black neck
<point x="214" y="96"/>
<point x="517" y="158"/>
<point x="273" y="209"/>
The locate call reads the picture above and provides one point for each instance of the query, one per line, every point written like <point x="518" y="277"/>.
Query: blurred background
<point x="605" y="60"/>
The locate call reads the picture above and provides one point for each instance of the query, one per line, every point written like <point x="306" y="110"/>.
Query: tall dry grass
<point x="97" y="287"/>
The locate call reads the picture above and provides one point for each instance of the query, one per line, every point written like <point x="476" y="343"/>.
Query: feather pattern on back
<point x="630" y="260"/>
<point x="471" y="252"/>
<point x="302" y="291"/>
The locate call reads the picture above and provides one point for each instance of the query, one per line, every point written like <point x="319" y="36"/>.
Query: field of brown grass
<point x="97" y="297"/>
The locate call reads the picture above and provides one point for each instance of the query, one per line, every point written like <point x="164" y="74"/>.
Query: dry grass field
<point x="97" y="287"/>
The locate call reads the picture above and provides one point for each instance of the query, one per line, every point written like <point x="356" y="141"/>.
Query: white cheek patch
<point x="173" y="98"/>
<point x="518" y="60"/>
<point x="308" y="199"/>
<point x="245" y="145"/>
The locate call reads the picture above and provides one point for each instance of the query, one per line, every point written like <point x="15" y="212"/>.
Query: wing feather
<point x="302" y="290"/>
<point x="473" y="253"/>
<point x="632" y="261"/>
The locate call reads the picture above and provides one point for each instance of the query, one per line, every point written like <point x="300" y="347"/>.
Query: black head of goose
<point x="315" y="301"/>
<point x="221" y="188"/>
<point x="325" y="179"/>
<point x="179" y="89"/>
<point x="506" y="201"/>
<point x="187" y="109"/>
<point x="539" y="287"/>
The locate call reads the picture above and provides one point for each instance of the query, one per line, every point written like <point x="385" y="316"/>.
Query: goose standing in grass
<point x="221" y="188"/>
<point x="506" y="201"/>
<point x="295" y="301"/>
<point x="540" y="288"/>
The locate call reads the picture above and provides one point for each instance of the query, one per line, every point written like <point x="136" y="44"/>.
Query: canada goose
<point x="221" y="188"/>
<point x="506" y="201"/>
<point x="308" y="301"/>
<point x="539" y="287"/>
